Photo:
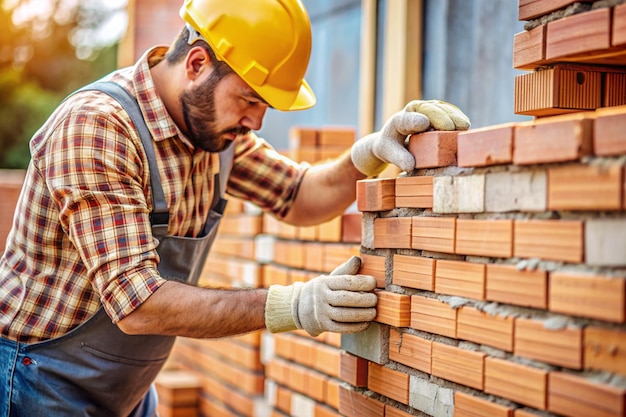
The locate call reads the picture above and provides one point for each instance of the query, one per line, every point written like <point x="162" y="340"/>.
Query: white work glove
<point x="372" y="153"/>
<point x="341" y="302"/>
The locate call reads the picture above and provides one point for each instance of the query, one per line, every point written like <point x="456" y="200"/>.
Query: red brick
<point x="433" y="149"/>
<point x="516" y="382"/>
<point x="490" y="145"/>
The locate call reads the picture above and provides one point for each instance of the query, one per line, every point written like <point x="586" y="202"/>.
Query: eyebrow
<point x="255" y="95"/>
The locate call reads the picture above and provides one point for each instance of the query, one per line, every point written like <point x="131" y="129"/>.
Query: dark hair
<point x="181" y="47"/>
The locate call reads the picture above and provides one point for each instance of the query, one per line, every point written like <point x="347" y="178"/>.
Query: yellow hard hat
<point x="266" y="42"/>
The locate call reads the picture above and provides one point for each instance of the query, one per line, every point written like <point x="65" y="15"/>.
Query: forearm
<point x="178" y="309"/>
<point x="326" y="191"/>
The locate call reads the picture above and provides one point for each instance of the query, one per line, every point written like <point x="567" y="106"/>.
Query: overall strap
<point x="160" y="213"/>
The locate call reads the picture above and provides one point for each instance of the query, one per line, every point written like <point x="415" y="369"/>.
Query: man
<point x="111" y="227"/>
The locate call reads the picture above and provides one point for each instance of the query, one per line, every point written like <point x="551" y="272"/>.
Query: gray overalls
<point x="96" y="369"/>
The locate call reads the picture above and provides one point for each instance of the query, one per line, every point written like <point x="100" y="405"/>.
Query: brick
<point x="353" y="370"/>
<point x="484" y="237"/>
<point x="435" y="234"/>
<point x="307" y="233"/>
<point x="394" y="412"/>
<point x="516" y="191"/>
<point x="466" y="405"/>
<point x="579" y="34"/>
<point x="530" y="9"/>
<point x="619" y="25"/>
<point x="414" y="192"/>
<point x="559" y="240"/>
<point x="351" y="227"/>
<point x="555" y="346"/>
<point x="433" y="316"/>
<point x="376" y="194"/>
<point x="614" y="93"/>
<point x="479" y="327"/>
<point x="328" y="360"/>
<point x="374" y="265"/>
<point x="330" y="231"/>
<point x="570" y="138"/>
<point x="336" y="136"/>
<point x="414" y="272"/>
<point x="592" y="296"/>
<point x="574" y="396"/>
<point x="557" y="90"/>
<point x="605" y="242"/>
<point x="323" y="411"/>
<point x="410" y="350"/>
<point x="491" y="145"/>
<point x="283" y="399"/>
<point x="430" y="398"/>
<point x="585" y="187"/>
<point x="459" y="194"/>
<point x="605" y="349"/>
<point x="388" y="382"/>
<point x="302" y="136"/>
<point x="337" y="254"/>
<point x="433" y="149"/>
<point x="177" y="388"/>
<point x="332" y="393"/>
<point x="313" y="255"/>
<point x="458" y="365"/>
<point x="393" y="232"/>
<point x="354" y="404"/>
<point x="464" y="279"/>
<point x="516" y="382"/>
<point x="506" y="284"/>
<point x="393" y="309"/>
<point x="529" y="48"/>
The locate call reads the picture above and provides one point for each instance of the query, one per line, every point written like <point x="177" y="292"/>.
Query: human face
<point x="220" y="109"/>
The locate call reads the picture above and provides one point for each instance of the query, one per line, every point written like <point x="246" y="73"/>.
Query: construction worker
<point x="113" y="225"/>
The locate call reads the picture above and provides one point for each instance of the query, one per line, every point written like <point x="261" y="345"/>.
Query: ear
<point x="198" y="61"/>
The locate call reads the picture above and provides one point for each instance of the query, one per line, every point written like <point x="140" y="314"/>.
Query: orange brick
<point x="466" y="405"/>
<point x="460" y="278"/>
<point x="410" y="350"/>
<point x="591" y="296"/>
<point x="336" y="254"/>
<point x="458" y="365"/>
<point x="393" y="232"/>
<point x="479" y="327"/>
<point x="516" y="382"/>
<point x="302" y="136"/>
<point x="558" y="347"/>
<point x="283" y="399"/>
<point x="353" y="369"/>
<point x="578" y="34"/>
<point x="608" y="130"/>
<point x="581" y="187"/>
<point x="376" y="194"/>
<point x="328" y="360"/>
<point x="605" y="349"/>
<point x="332" y="393"/>
<point x="393" y="309"/>
<point x="507" y="284"/>
<point x="330" y="231"/>
<point x="619" y="25"/>
<point x="336" y="136"/>
<point x="351" y="227"/>
<point x="414" y="272"/>
<point x="415" y="192"/>
<point x="354" y="404"/>
<point x="433" y="149"/>
<point x="388" y="382"/>
<point x="394" y="412"/>
<point x="313" y="256"/>
<point x="614" y="92"/>
<point x="529" y="48"/>
<point x="315" y="384"/>
<point x="574" y="396"/>
<point x="432" y="315"/>
<point x="324" y="411"/>
<point x="490" y="145"/>
<point x="374" y="265"/>
<point x="559" y="240"/>
<point x="484" y="237"/>
<point x="553" y="139"/>
<point x="433" y="233"/>
<point x="177" y="388"/>
<point x="530" y="9"/>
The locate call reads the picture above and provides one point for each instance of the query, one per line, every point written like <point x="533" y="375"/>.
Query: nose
<point x="253" y="118"/>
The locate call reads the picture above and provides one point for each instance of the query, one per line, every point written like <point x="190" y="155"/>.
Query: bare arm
<point x="178" y="309"/>
<point x="326" y="191"/>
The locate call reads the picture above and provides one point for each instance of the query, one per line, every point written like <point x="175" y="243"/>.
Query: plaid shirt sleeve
<point x="264" y="177"/>
<point x="96" y="178"/>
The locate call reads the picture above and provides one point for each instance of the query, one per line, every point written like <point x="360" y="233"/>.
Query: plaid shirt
<point x="81" y="237"/>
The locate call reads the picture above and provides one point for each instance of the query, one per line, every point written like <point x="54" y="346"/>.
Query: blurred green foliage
<point x="36" y="72"/>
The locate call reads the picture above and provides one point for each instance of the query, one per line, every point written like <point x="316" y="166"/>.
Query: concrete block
<point x="302" y="406"/>
<point x="371" y="344"/>
<point x="430" y="398"/>
<point x="516" y="191"/>
<point x="605" y="242"/>
<point x="463" y="194"/>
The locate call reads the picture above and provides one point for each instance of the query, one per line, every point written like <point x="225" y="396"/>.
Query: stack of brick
<point x="501" y="260"/>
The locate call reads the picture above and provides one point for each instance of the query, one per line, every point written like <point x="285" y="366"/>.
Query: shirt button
<point x="27" y="361"/>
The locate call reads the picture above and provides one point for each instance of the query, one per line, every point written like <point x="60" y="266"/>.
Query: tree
<point x="44" y="55"/>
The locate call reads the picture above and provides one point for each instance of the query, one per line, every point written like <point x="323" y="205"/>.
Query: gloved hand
<point x="372" y="153"/>
<point x="341" y="302"/>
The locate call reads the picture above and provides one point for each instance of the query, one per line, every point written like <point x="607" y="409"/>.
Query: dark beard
<point x="199" y="113"/>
